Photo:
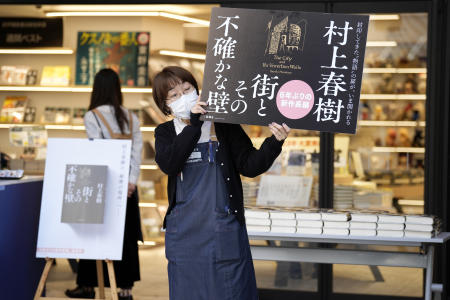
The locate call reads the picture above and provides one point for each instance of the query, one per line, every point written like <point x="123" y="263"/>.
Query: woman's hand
<point x="131" y="189"/>
<point x="198" y="107"/>
<point x="280" y="132"/>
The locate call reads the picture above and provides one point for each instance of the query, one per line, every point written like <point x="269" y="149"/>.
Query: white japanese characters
<point x="224" y="48"/>
<point x="333" y="83"/>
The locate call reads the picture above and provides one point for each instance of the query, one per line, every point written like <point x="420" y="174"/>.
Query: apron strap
<point x="100" y="115"/>
<point x="212" y="134"/>
<point x="130" y="123"/>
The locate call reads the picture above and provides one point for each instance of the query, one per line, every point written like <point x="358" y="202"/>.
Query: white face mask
<point x="181" y="108"/>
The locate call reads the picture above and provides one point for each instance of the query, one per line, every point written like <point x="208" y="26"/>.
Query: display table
<point x="423" y="259"/>
<point x="20" y="203"/>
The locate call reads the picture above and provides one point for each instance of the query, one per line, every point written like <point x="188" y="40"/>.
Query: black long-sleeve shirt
<point x="236" y="155"/>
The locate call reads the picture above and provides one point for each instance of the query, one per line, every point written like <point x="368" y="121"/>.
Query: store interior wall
<point x="164" y="34"/>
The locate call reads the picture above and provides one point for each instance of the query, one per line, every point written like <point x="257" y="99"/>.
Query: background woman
<point x="108" y="119"/>
<point x="206" y="239"/>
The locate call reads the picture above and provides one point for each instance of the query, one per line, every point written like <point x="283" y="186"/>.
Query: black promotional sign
<point x="303" y="69"/>
<point x="31" y="32"/>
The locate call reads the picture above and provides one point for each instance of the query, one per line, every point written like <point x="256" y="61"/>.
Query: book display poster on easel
<point x="84" y="199"/>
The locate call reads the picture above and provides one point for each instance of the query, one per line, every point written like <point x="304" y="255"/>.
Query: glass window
<point x="385" y="158"/>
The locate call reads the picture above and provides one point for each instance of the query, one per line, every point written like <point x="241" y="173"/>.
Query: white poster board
<point x="288" y="191"/>
<point x="77" y="240"/>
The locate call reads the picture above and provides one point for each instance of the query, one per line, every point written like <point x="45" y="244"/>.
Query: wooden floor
<point x="348" y="279"/>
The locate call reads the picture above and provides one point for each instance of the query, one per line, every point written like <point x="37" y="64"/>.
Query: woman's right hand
<point x="198" y="107"/>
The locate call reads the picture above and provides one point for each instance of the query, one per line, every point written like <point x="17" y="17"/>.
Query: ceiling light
<point x="128" y="14"/>
<point x="103" y="14"/>
<point x="381" y="44"/>
<point x="36" y="51"/>
<point x="194" y="25"/>
<point x="384" y="17"/>
<point x="183" y="54"/>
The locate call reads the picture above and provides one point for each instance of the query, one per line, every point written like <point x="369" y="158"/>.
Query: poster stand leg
<point x="101" y="283"/>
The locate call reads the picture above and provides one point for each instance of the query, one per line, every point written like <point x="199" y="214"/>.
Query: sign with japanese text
<point x="84" y="194"/>
<point x="124" y="52"/>
<point x="84" y="199"/>
<point x="302" y="69"/>
<point x="31" y="32"/>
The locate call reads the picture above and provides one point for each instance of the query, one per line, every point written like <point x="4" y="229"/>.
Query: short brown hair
<point x="166" y="80"/>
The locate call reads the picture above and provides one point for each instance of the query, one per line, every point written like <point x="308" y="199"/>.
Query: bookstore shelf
<point x="72" y="89"/>
<point x="391" y="123"/>
<point x="399" y="149"/>
<point x="62" y="127"/>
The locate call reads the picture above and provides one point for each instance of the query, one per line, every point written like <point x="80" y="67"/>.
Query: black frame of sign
<point x="437" y="177"/>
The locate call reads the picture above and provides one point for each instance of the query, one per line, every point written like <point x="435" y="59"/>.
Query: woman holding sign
<point x="206" y="239"/>
<point x="108" y="119"/>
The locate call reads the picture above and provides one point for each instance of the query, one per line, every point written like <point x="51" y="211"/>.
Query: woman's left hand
<point x="280" y="132"/>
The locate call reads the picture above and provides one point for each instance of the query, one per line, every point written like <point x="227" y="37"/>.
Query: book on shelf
<point x="125" y="52"/>
<point x="258" y="221"/>
<point x="385" y="218"/>
<point x="369" y="199"/>
<point x="418" y="234"/>
<point x="309" y="214"/>
<point x="418" y="227"/>
<point x="364" y="217"/>
<point x="284" y="215"/>
<point x="55" y="76"/>
<point x="49" y="115"/>
<point x="56" y="115"/>
<point x="30" y="115"/>
<point x="390" y="226"/>
<point x="336" y="224"/>
<point x="335" y="231"/>
<point x="13" y="109"/>
<point x="363" y="232"/>
<point x="421" y="219"/>
<point x="62" y="115"/>
<point x="309" y="224"/>
<point x="280" y="222"/>
<point x="335" y="215"/>
<point x="362" y="225"/>
<point x="390" y="233"/>
<point x="17" y="75"/>
<point x="306" y="230"/>
<point x="78" y="115"/>
<point x="283" y="229"/>
<point x="259" y="213"/>
<point x="251" y="228"/>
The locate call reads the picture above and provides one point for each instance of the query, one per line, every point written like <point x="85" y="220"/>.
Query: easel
<point x="101" y="283"/>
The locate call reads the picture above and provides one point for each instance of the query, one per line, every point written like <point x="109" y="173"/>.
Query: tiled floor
<point x="354" y="279"/>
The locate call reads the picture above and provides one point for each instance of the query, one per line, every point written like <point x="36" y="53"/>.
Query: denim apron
<point x="207" y="249"/>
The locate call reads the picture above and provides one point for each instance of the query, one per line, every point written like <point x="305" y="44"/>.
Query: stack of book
<point x="343" y="197"/>
<point x="372" y="199"/>
<point x="390" y="225"/>
<point x="283" y="221"/>
<point x="257" y="219"/>
<point x="336" y="222"/>
<point x="341" y="223"/>
<point x="421" y="226"/>
<point x="250" y="190"/>
<point x="309" y="221"/>
<point x="363" y="224"/>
